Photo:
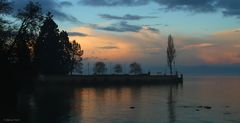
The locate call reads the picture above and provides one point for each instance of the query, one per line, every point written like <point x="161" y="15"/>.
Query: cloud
<point x="123" y="26"/>
<point x="227" y="7"/>
<point x="117" y="47"/>
<point x="237" y="46"/>
<point x="64" y="17"/>
<point x="230" y="37"/>
<point x="48" y="6"/>
<point x="225" y="57"/>
<point x="93" y="59"/>
<point x="150" y="48"/>
<point x="150" y="29"/>
<point x="217" y="48"/>
<point x="108" y="47"/>
<point x="125" y="17"/>
<point x="199" y="45"/>
<point x="113" y="2"/>
<point x="194" y="5"/>
<point x="77" y="34"/>
<point x="66" y="4"/>
<point x="237" y="30"/>
<point x="189" y="5"/>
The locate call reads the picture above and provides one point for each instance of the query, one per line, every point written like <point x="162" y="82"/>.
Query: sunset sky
<point x="206" y="32"/>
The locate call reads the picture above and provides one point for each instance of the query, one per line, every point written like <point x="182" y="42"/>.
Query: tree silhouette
<point x="8" y="87"/>
<point x="171" y="53"/>
<point x="135" y="68"/>
<point x="65" y="48"/>
<point x="118" y="68"/>
<point x="37" y="41"/>
<point x="32" y="42"/>
<point x="76" y="58"/>
<point x="52" y="49"/>
<point x="21" y="49"/>
<point x="31" y="18"/>
<point x="5" y="36"/>
<point x="99" y="68"/>
<point x="5" y="8"/>
<point x="78" y="67"/>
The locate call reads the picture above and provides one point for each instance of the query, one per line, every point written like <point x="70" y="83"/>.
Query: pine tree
<point x="54" y="53"/>
<point x="48" y="47"/>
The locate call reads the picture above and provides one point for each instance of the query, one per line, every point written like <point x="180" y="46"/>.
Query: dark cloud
<point x="153" y="29"/>
<point x="227" y="7"/>
<point x="64" y="17"/>
<point x="148" y="25"/>
<point x="189" y="5"/>
<point x="230" y="7"/>
<point x="77" y="34"/>
<point x="48" y="6"/>
<point x="125" y="17"/>
<point x="237" y="30"/>
<point x="108" y="47"/>
<point x="66" y="4"/>
<point x="192" y="5"/>
<point x="113" y="2"/>
<point x="123" y="26"/>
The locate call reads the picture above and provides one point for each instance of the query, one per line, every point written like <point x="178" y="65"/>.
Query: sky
<point x="206" y="32"/>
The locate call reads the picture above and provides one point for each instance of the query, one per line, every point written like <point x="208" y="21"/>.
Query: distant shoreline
<point x="112" y="80"/>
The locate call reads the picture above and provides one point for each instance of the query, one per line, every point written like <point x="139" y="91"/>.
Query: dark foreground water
<point x="198" y="100"/>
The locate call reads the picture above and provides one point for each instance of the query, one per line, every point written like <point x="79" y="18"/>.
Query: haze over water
<point x="139" y="104"/>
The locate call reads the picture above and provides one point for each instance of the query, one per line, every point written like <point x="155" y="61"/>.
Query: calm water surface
<point x="141" y="104"/>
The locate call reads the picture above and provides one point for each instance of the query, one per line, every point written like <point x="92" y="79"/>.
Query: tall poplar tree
<point x="171" y="53"/>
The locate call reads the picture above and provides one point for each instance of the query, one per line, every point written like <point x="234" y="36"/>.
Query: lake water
<point x="139" y="104"/>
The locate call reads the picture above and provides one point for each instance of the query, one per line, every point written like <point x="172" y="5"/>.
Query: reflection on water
<point x="171" y="106"/>
<point x="47" y="105"/>
<point x="113" y="104"/>
<point x="52" y="105"/>
<point x="138" y="104"/>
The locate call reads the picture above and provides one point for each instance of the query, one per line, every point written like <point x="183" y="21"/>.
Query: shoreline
<point x="110" y="80"/>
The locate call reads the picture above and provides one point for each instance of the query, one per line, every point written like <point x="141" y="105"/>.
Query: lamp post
<point x="88" y="67"/>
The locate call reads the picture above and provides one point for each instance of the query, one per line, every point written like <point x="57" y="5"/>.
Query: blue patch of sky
<point x="203" y="23"/>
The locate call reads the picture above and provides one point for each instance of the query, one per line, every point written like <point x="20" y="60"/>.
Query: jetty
<point x="112" y="80"/>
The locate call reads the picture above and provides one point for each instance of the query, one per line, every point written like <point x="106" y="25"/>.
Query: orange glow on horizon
<point x="218" y="48"/>
<point x="105" y="46"/>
